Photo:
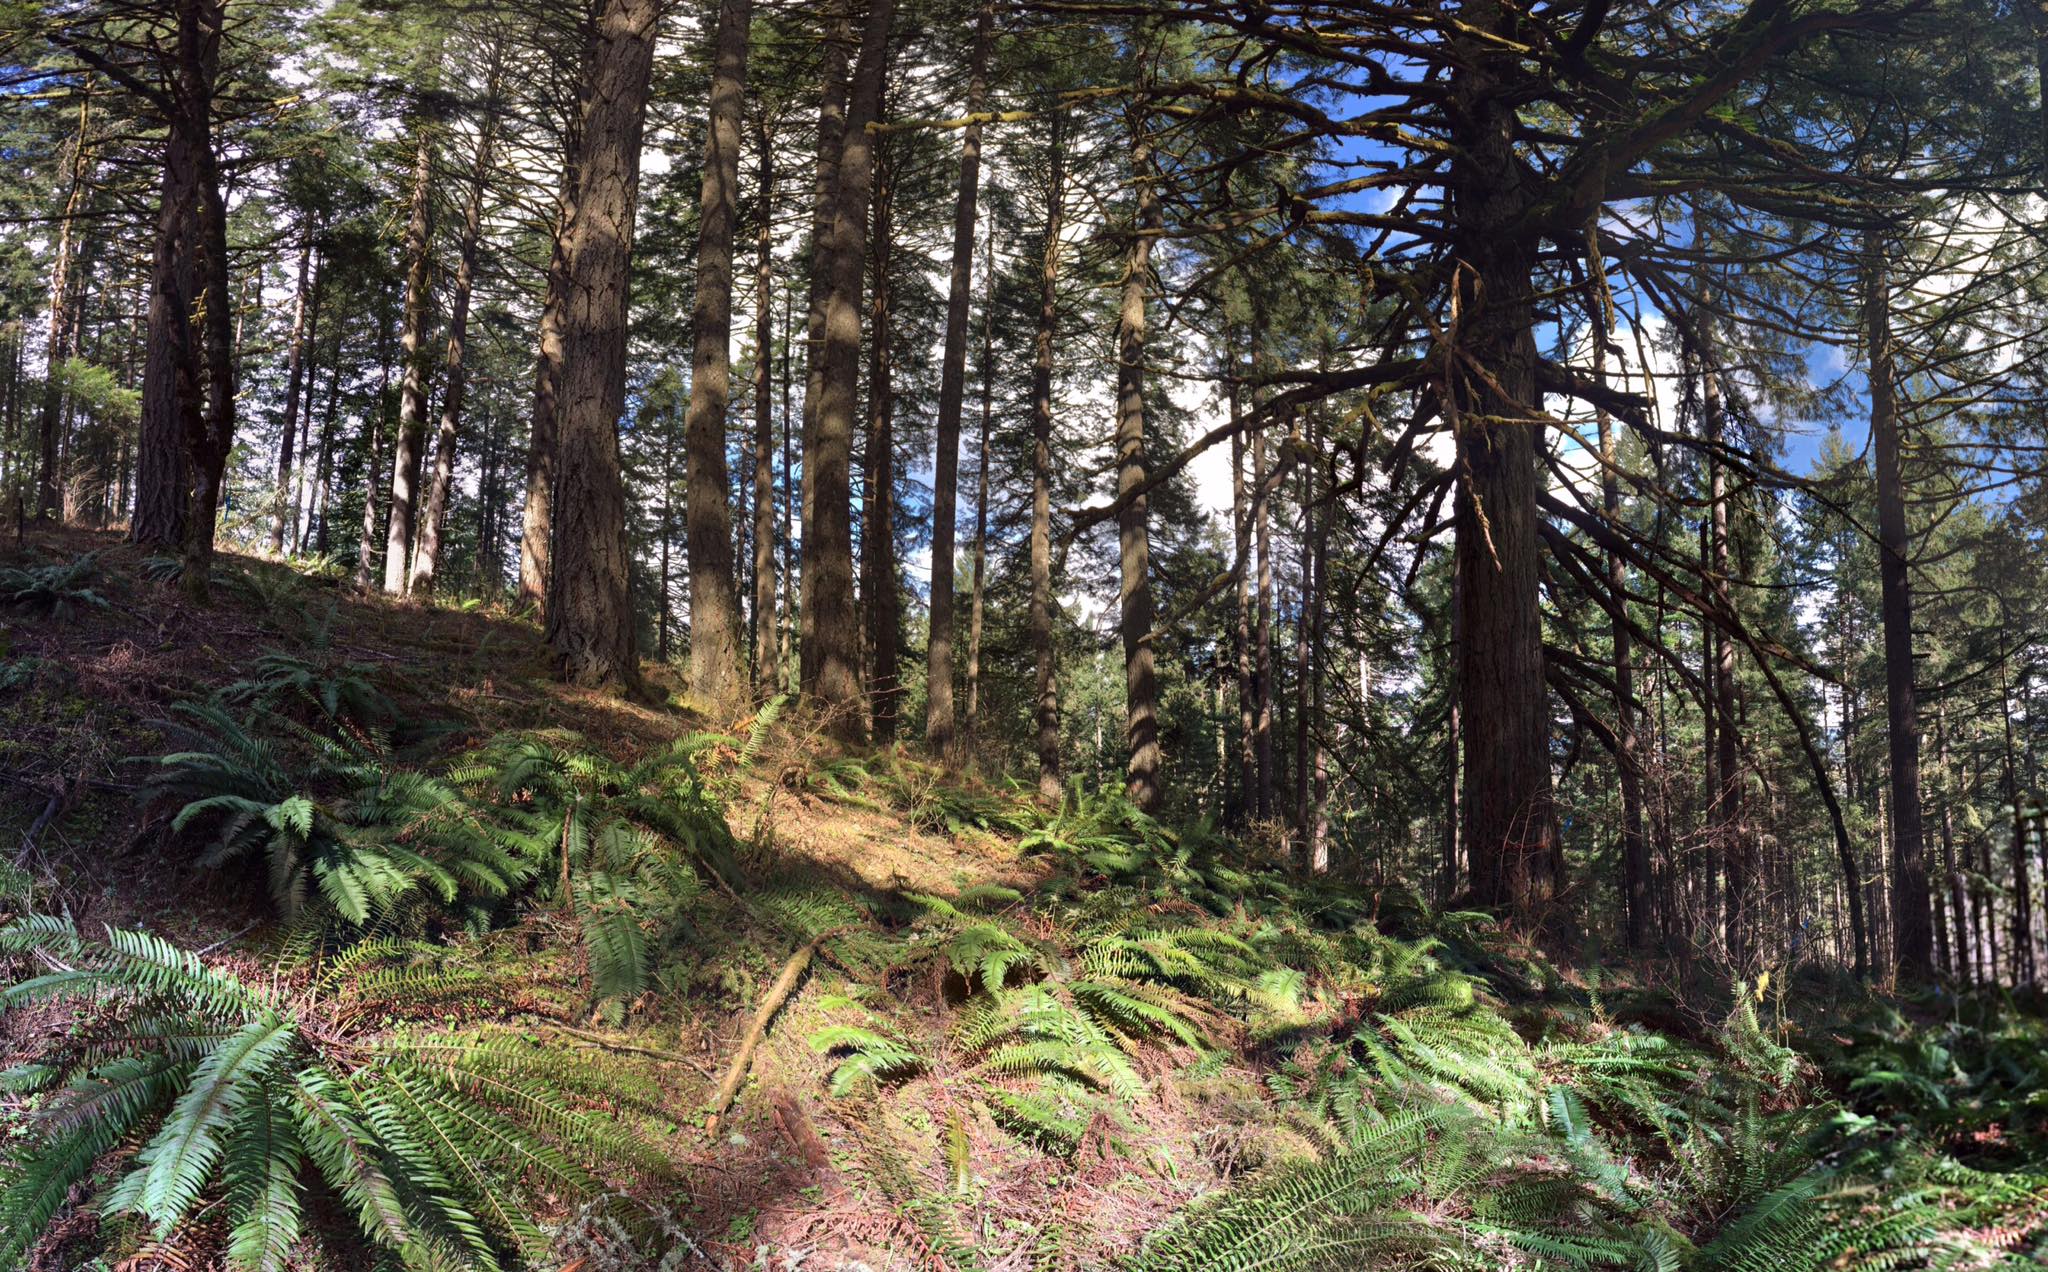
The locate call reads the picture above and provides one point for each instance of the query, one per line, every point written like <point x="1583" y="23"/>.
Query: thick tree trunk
<point x="412" y="392"/>
<point x="199" y="43"/>
<point x="1510" y="818"/>
<point x="833" y="635"/>
<point x="1303" y="673"/>
<point x="878" y="514"/>
<point x="938" y="716"/>
<point x="305" y="318"/>
<point x="1144" y="780"/>
<point x="1265" y="796"/>
<point x="1047" y="708"/>
<point x="766" y="655"/>
<point x="589" y="607"/>
<point x="1913" y="940"/>
<point x="173" y="398"/>
<point x="427" y="555"/>
<point x="2022" y="887"/>
<point x="715" y="678"/>
<point x="824" y="208"/>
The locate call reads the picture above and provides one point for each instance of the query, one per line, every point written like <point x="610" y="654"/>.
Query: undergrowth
<point x="1293" y="1073"/>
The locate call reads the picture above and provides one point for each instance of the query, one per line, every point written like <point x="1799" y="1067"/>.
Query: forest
<point x="1023" y="635"/>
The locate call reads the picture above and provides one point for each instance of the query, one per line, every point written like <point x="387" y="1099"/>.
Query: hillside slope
<point x="989" y="1033"/>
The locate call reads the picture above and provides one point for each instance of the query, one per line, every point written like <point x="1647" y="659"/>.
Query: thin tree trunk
<point x="589" y="607"/>
<point x="305" y="319"/>
<point x="427" y="556"/>
<point x="1047" y="709"/>
<point x="833" y="637"/>
<point x="1913" y="939"/>
<point x="324" y="466"/>
<point x="1725" y="813"/>
<point x="412" y="392"/>
<point x="1241" y="534"/>
<point x="536" y="521"/>
<point x="938" y="720"/>
<point x="63" y="315"/>
<point x="373" y="426"/>
<point x="1304" y="673"/>
<point x="878" y="514"/>
<point x="765" y="645"/>
<point x="1144" y="780"/>
<point x="980" y="581"/>
<point x="715" y="677"/>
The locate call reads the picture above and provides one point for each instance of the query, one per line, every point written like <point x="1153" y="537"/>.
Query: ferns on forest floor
<point x="245" y="1092"/>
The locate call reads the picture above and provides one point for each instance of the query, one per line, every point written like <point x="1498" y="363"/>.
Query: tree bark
<point x="766" y="655"/>
<point x="536" y="522"/>
<point x="63" y="319"/>
<point x="938" y="718"/>
<point x="199" y="60"/>
<point x="1725" y="812"/>
<point x="824" y="207"/>
<point x="878" y="514"/>
<point x="1144" y="780"/>
<point x="1913" y="939"/>
<point x="427" y="555"/>
<point x="412" y="391"/>
<point x="305" y="318"/>
<point x="589" y="606"/>
<point x="979" y="585"/>
<point x="1510" y="817"/>
<point x="715" y="677"/>
<point x="1047" y="709"/>
<point x="373" y="427"/>
<point x="833" y="635"/>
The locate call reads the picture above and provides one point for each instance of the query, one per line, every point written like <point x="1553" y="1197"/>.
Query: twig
<point x="613" y="1044"/>
<point x="52" y="810"/>
<point x="757" y="1028"/>
<point x="228" y="940"/>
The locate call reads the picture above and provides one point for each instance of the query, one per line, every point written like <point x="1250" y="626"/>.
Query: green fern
<point x="57" y="591"/>
<point x="234" y="1089"/>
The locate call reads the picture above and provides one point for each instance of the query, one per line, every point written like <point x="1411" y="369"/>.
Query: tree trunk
<point x="323" y="468"/>
<point x="834" y="634"/>
<point x="1913" y="939"/>
<point x="412" y="392"/>
<point x="199" y="56"/>
<point x="980" y="582"/>
<point x="373" y="427"/>
<point x="938" y="717"/>
<point x="715" y="678"/>
<point x="1510" y="818"/>
<point x="1304" y="673"/>
<point x="1141" y="728"/>
<point x="427" y="556"/>
<point x="173" y="400"/>
<point x="1047" y="709"/>
<point x="589" y="605"/>
<point x="1725" y="812"/>
<point x="1241" y="536"/>
<point x="536" y="521"/>
<point x="824" y="208"/>
<point x="63" y="317"/>
<point x="766" y="656"/>
<point x="2022" y="887"/>
<point x="878" y="514"/>
<point x="1265" y="797"/>
<point x="305" y="318"/>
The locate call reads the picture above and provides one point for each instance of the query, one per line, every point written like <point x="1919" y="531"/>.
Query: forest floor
<point x="910" y="1106"/>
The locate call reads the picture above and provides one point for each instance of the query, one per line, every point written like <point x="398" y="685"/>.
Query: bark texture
<point x="938" y="716"/>
<point x="589" y="607"/>
<point x="412" y="389"/>
<point x="715" y="676"/>
<point x="1144" y="780"/>
<point x="833" y="635"/>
